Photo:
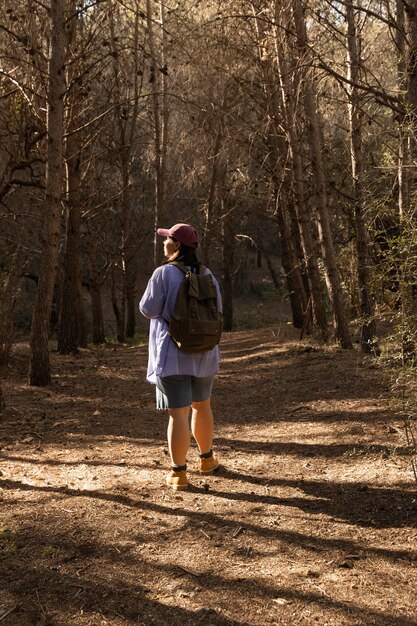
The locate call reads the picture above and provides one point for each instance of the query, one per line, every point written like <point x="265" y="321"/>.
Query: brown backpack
<point x="196" y="324"/>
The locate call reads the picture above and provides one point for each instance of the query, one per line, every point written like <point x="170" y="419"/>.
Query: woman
<point x="183" y="381"/>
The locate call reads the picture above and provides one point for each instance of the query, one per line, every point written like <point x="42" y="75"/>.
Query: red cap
<point x="184" y="233"/>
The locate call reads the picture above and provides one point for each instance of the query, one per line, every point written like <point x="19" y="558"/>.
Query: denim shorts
<point x="174" y="392"/>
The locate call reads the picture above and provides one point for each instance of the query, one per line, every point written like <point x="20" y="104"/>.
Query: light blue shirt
<point x="157" y="304"/>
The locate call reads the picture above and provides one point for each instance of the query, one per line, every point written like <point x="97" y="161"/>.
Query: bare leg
<point x="202" y="425"/>
<point x="178" y="435"/>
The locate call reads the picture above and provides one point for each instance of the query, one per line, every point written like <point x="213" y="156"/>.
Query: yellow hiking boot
<point x="177" y="480"/>
<point x="208" y="463"/>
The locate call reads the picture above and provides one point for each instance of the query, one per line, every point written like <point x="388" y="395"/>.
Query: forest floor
<point x="311" y="520"/>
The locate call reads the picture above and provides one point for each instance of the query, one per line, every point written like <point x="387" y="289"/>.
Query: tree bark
<point x="227" y="264"/>
<point x="274" y="274"/>
<point x="410" y="7"/>
<point x="39" y="366"/>
<point x="127" y="256"/>
<point x="296" y="292"/>
<point x="368" y="340"/>
<point x="403" y="141"/>
<point x="71" y="331"/>
<point x="210" y="206"/>
<point x="126" y="137"/>
<point x="325" y="233"/>
<point x="119" y="314"/>
<point x="68" y="324"/>
<point x="160" y="124"/>
<point x="278" y="159"/>
<point x="407" y="79"/>
<point x="306" y="221"/>
<point x="95" y="293"/>
<point x="2" y="401"/>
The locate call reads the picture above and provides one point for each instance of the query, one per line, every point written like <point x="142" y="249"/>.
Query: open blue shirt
<point x="157" y="304"/>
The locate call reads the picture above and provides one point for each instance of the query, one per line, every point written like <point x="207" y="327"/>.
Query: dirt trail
<point x="311" y="521"/>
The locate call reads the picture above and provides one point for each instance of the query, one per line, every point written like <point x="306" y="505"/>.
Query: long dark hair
<point x="185" y="255"/>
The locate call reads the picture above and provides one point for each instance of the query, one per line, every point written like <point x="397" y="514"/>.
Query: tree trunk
<point x="164" y="113"/>
<point x="227" y="262"/>
<point x="126" y="137"/>
<point x="407" y="77"/>
<point x="278" y="158"/>
<point x="129" y="259"/>
<point x="411" y="58"/>
<point x="368" y="340"/>
<point x="72" y="324"/>
<point x="39" y="367"/>
<point x="119" y="314"/>
<point x="2" y="402"/>
<point x="306" y="222"/>
<point x="82" y="318"/>
<point x="259" y="264"/>
<point x="69" y="322"/>
<point x="210" y="206"/>
<point x="325" y="233"/>
<point x="95" y="293"/>
<point x="127" y="256"/>
<point x="160" y="127"/>
<point x="403" y="147"/>
<point x="296" y="292"/>
<point x="274" y="274"/>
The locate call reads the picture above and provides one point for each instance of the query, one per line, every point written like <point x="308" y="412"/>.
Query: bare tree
<point x="228" y="235"/>
<point x="325" y="232"/>
<point x="2" y="401"/>
<point x="279" y="158"/>
<point x="407" y="77"/>
<point x="306" y="221"/>
<point x="71" y="324"/>
<point x="368" y="326"/>
<point x="216" y="126"/>
<point x="158" y="80"/>
<point x="126" y="96"/>
<point x="39" y="369"/>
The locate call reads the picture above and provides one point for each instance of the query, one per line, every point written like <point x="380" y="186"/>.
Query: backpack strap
<point x="180" y="266"/>
<point x="185" y="270"/>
